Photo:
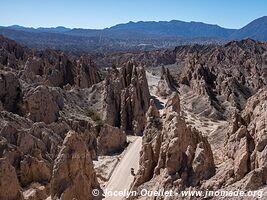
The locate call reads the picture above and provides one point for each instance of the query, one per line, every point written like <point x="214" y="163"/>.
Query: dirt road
<point x="121" y="178"/>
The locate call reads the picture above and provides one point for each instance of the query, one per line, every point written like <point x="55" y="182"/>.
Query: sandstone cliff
<point x="173" y="154"/>
<point x="126" y="98"/>
<point x="73" y="172"/>
<point x="245" y="148"/>
<point x="226" y="75"/>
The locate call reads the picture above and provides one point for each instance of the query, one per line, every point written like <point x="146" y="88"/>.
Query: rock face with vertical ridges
<point x="10" y="91"/>
<point x="111" y="140"/>
<point x="46" y="94"/>
<point x="87" y="73"/>
<point x="173" y="154"/>
<point x="34" y="170"/>
<point x="127" y="98"/>
<point x="11" y="53"/>
<point x="73" y="172"/>
<point x="9" y="185"/>
<point x="245" y="148"/>
<point x="226" y="75"/>
<point x="43" y="104"/>
<point x="57" y="70"/>
<point x="167" y="84"/>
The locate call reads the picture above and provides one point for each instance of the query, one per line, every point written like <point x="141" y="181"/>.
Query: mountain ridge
<point x="142" y="35"/>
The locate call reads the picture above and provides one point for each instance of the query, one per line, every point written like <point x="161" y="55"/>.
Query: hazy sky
<point x="105" y="13"/>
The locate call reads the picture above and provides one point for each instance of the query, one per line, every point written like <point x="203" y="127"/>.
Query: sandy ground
<point x="121" y="178"/>
<point x="204" y="125"/>
<point x="152" y="84"/>
<point x="152" y="80"/>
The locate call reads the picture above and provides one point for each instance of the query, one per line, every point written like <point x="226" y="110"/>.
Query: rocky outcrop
<point x="167" y="85"/>
<point x="126" y="98"/>
<point x="11" y="53"/>
<point x="87" y="73"/>
<point x="146" y="59"/>
<point x="52" y="93"/>
<point x="33" y="70"/>
<point x="226" y="75"/>
<point x="31" y="149"/>
<point x="73" y="172"/>
<point x="245" y="148"/>
<point x="9" y="185"/>
<point x="58" y="70"/>
<point x="34" y="170"/>
<point x="37" y="191"/>
<point x="111" y="140"/>
<point x="151" y="144"/>
<point x="247" y="144"/>
<point x="10" y="91"/>
<point x="43" y="104"/>
<point x="173" y="154"/>
<point x="46" y="94"/>
<point x="48" y="67"/>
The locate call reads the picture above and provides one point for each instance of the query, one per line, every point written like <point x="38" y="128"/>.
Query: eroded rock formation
<point x="34" y="170"/>
<point x="9" y="184"/>
<point x="57" y="69"/>
<point x="45" y="94"/>
<point x="245" y="148"/>
<point x="111" y="140"/>
<point x="126" y="98"/>
<point x="43" y="104"/>
<point x="87" y="73"/>
<point x="73" y="172"/>
<point x="226" y="75"/>
<point x="167" y="85"/>
<point x="56" y="115"/>
<point x="173" y="154"/>
<point x="10" y="91"/>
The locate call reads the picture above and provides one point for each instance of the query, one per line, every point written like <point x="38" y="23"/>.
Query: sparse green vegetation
<point x="93" y="115"/>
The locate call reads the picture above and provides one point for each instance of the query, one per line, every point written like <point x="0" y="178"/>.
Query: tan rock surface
<point x="111" y="140"/>
<point x="73" y="172"/>
<point x="34" y="170"/>
<point x="43" y="104"/>
<point x="167" y="84"/>
<point x="9" y="185"/>
<point x="173" y="155"/>
<point x="126" y="98"/>
<point x="45" y="94"/>
<point x="245" y="149"/>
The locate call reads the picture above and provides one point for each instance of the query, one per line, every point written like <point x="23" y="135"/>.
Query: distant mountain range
<point x="59" y="29"/>
<point x="133" y="35"/>
<point x="256" y="29"/>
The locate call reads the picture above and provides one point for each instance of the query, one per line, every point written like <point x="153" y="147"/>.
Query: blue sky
<point x="105" y="13"/>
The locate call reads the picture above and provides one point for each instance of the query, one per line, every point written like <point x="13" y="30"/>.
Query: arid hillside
<point x="192" y="118"/>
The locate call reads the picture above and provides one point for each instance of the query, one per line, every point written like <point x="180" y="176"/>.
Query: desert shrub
<point x="93" y="115"/>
